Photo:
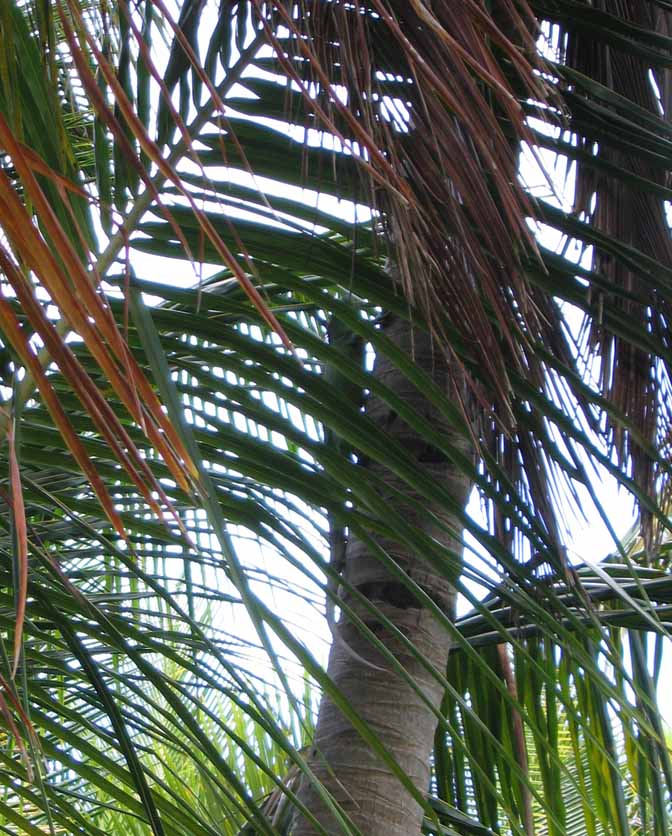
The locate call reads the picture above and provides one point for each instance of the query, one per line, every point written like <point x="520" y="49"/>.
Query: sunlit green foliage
<point x="161" y="687"/>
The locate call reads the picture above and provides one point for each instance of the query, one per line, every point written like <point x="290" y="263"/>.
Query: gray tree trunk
<point x="365" y="788"/>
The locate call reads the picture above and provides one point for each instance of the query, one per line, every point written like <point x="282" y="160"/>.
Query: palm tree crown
<point x="272" y="307"/>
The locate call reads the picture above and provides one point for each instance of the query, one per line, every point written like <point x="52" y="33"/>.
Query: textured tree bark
<point x="362" y="784"/>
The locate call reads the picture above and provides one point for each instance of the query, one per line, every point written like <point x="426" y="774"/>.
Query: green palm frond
<point x="193" y="203"/>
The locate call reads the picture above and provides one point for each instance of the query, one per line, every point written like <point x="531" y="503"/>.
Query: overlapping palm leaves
<point x="148" y="613"/>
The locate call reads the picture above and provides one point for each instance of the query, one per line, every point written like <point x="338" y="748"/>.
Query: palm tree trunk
<point x="365" y="788"/>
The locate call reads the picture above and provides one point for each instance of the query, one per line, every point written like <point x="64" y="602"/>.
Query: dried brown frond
<point x="630" y="376"/>
<point x="436" y="159"/>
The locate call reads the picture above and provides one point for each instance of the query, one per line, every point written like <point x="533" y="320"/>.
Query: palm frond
<point x="176" y="255"/>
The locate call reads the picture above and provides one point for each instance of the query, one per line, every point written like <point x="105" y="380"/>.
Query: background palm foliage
<point x="151" y="676"/>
